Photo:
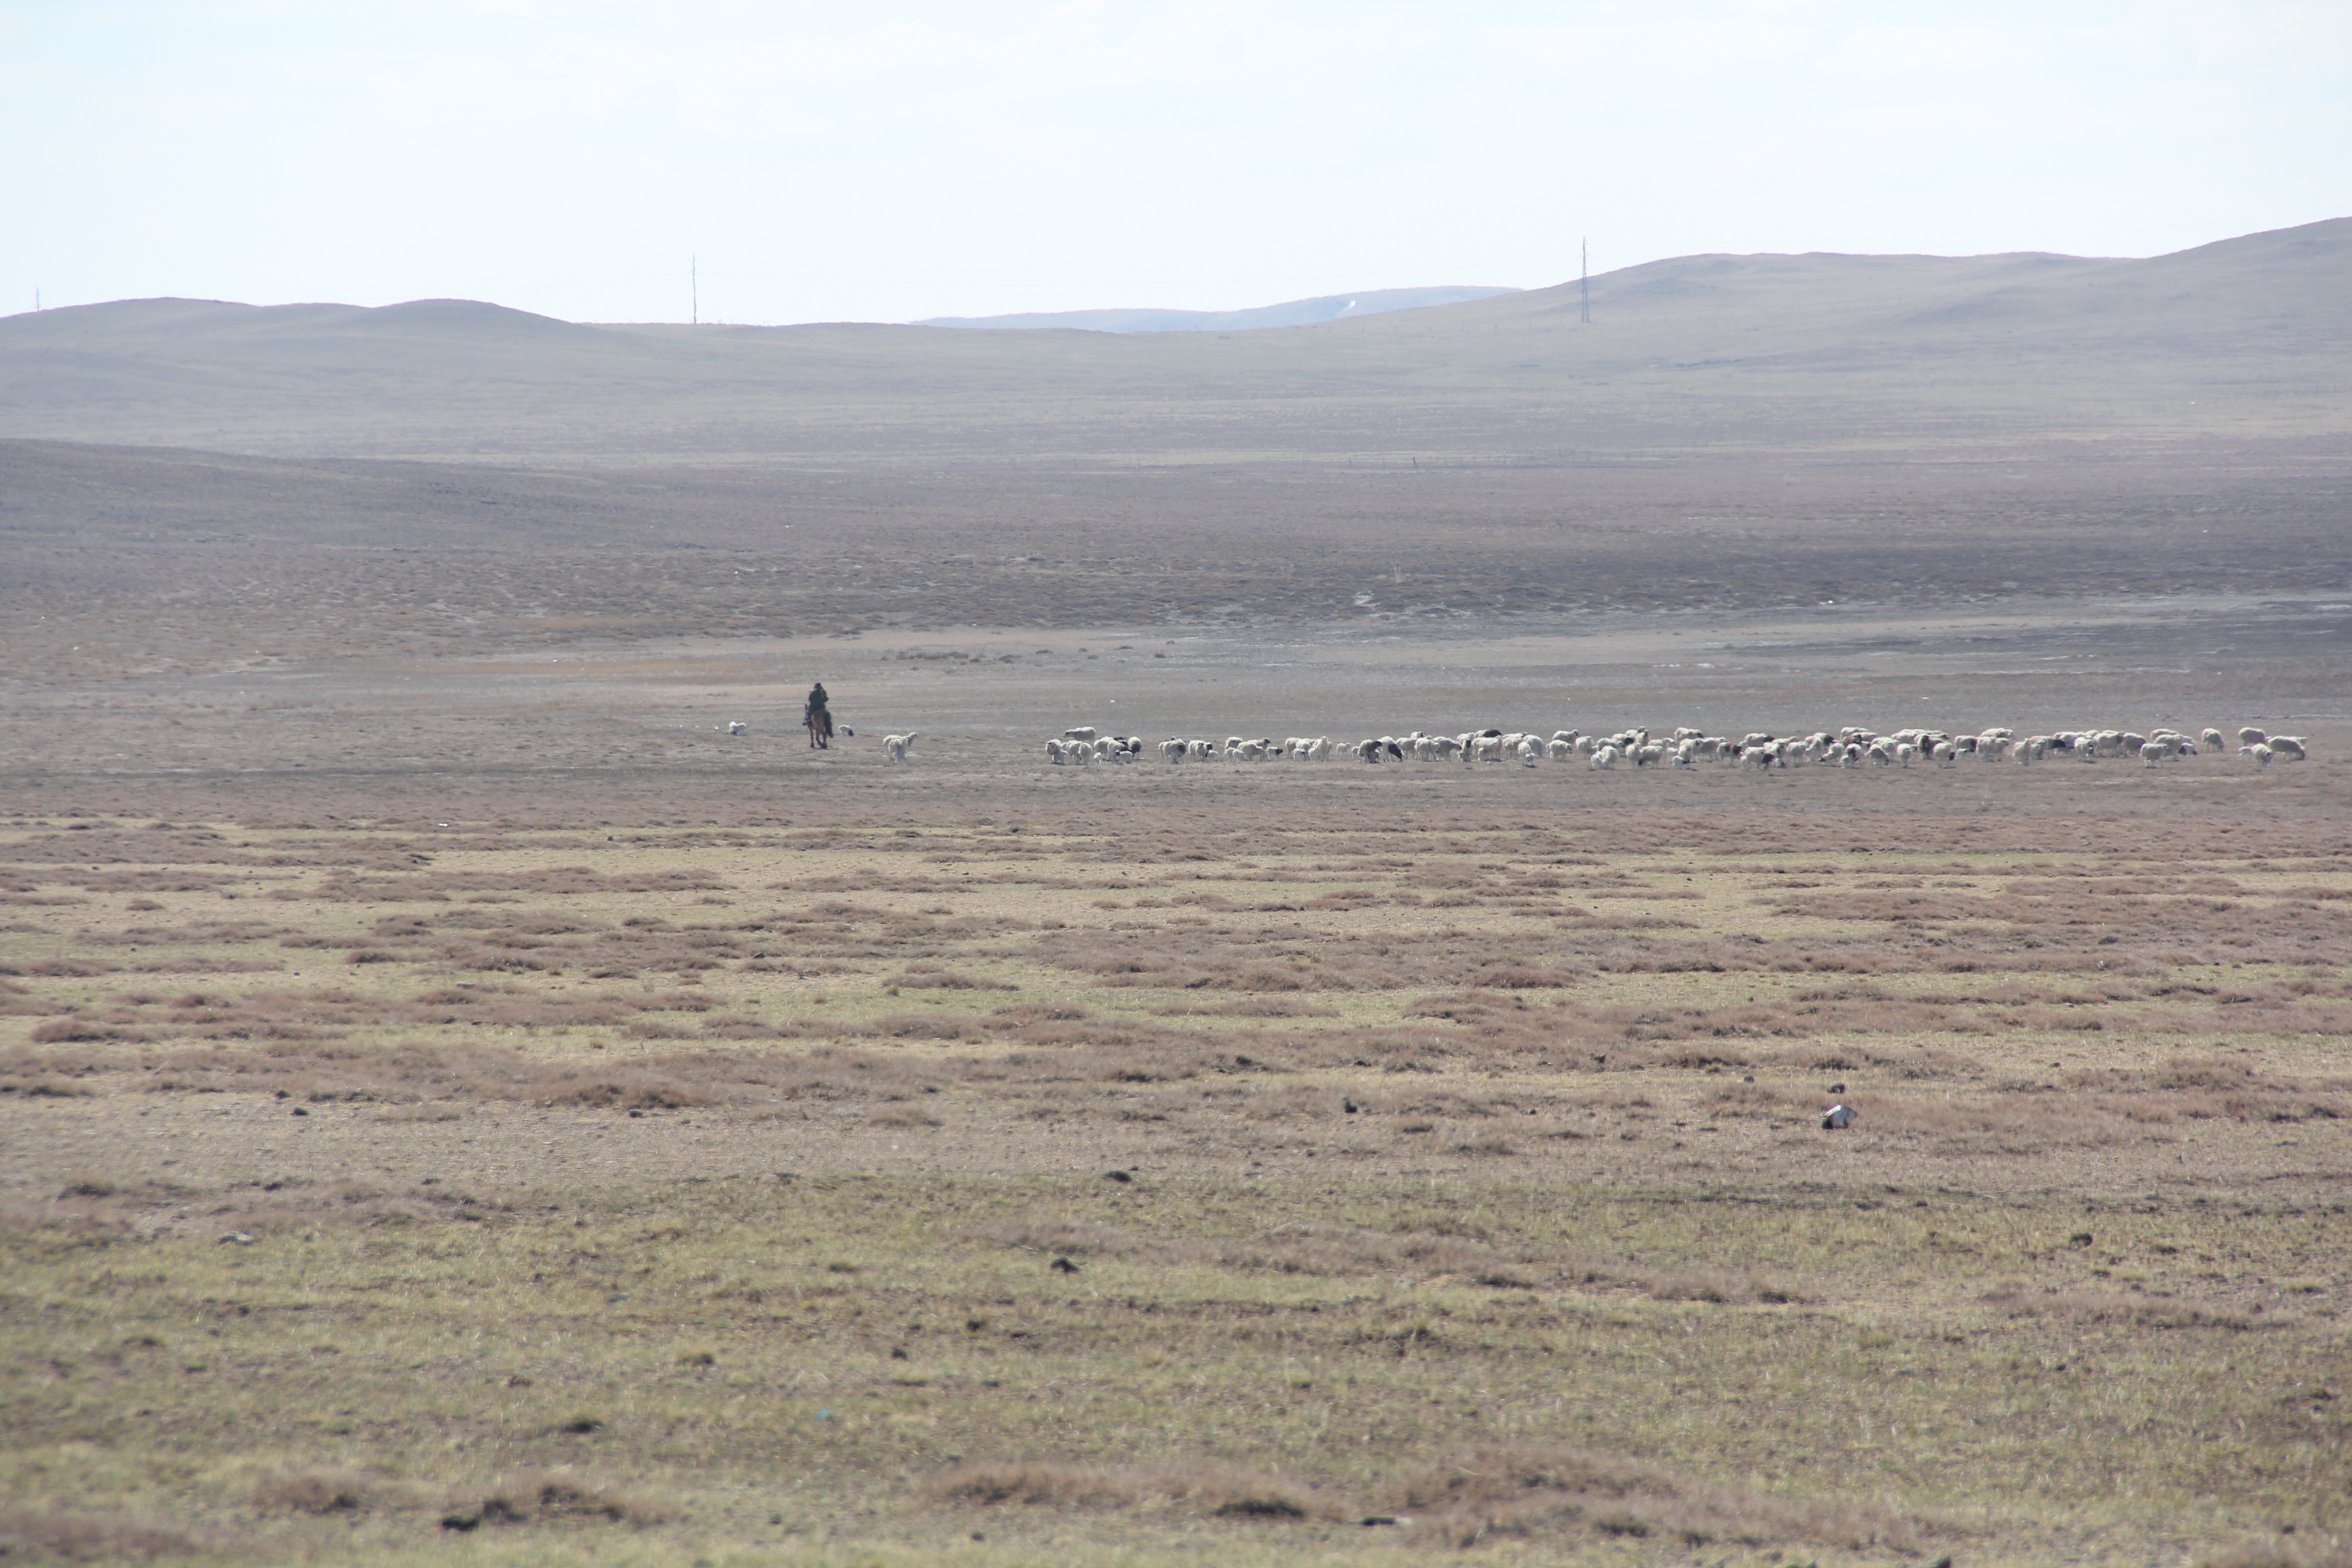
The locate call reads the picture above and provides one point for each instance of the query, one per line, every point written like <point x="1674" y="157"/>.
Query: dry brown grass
<point x="1217" y="1491"/>
<point x="1294" y="1109"/>
<point x="57" y="1535"/>
<point x="1560" y="1494"/>
<point x="327" y="1491"/>
<point x="551" y="1496"/>
<point x="2282" y="1554"/>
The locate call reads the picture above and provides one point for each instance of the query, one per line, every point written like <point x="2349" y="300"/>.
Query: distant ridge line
<point x="1289" y="313"/>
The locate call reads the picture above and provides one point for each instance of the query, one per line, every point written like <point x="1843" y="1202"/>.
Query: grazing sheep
<point x="894" y="747"/>
<point x="737" y="727"/>
<point x="1847" y="746"/>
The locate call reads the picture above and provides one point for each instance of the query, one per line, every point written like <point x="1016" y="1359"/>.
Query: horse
<point x="820" y="728"/>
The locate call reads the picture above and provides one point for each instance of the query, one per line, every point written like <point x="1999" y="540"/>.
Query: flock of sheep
<point x="1085" y="745"/>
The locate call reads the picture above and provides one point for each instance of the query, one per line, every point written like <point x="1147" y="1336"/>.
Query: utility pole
<point x="1584" y="283"/>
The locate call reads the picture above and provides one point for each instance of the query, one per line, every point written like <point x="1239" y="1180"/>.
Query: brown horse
<point x="820" y="728"/>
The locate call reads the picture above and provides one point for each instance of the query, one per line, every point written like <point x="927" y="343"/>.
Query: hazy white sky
<point x="892" y="159"/>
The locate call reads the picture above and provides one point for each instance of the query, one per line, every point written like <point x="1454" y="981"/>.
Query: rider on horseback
<point x="817" y="717"/>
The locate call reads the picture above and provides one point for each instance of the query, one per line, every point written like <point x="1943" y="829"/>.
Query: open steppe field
<point x="836" y="1163"/>
<point x="461" y="1104"/>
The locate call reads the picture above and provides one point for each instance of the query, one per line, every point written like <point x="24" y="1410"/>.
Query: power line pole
<point x="1584" y="283"/>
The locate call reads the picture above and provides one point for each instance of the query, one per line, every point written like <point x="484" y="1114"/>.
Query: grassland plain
<point x="992" y="1179"/>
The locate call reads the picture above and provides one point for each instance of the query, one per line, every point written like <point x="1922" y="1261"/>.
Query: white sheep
<point x="2249" y="736"/>
<point x="1604" y="757"/>
<point x="2213" y="741"/>
<point x="894" y="747"/>
<point x="1085" y="732"/>
<point x="737" y="727"/>
<point x="2288" y="748"/>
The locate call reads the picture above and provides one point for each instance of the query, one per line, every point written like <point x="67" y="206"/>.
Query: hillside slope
<point x="2248" y="336"/>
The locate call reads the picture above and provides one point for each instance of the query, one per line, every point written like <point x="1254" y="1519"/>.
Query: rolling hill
<point x="2247" y="336"/>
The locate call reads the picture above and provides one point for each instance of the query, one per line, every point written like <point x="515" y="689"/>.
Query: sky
<point x="889" y="160"/>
